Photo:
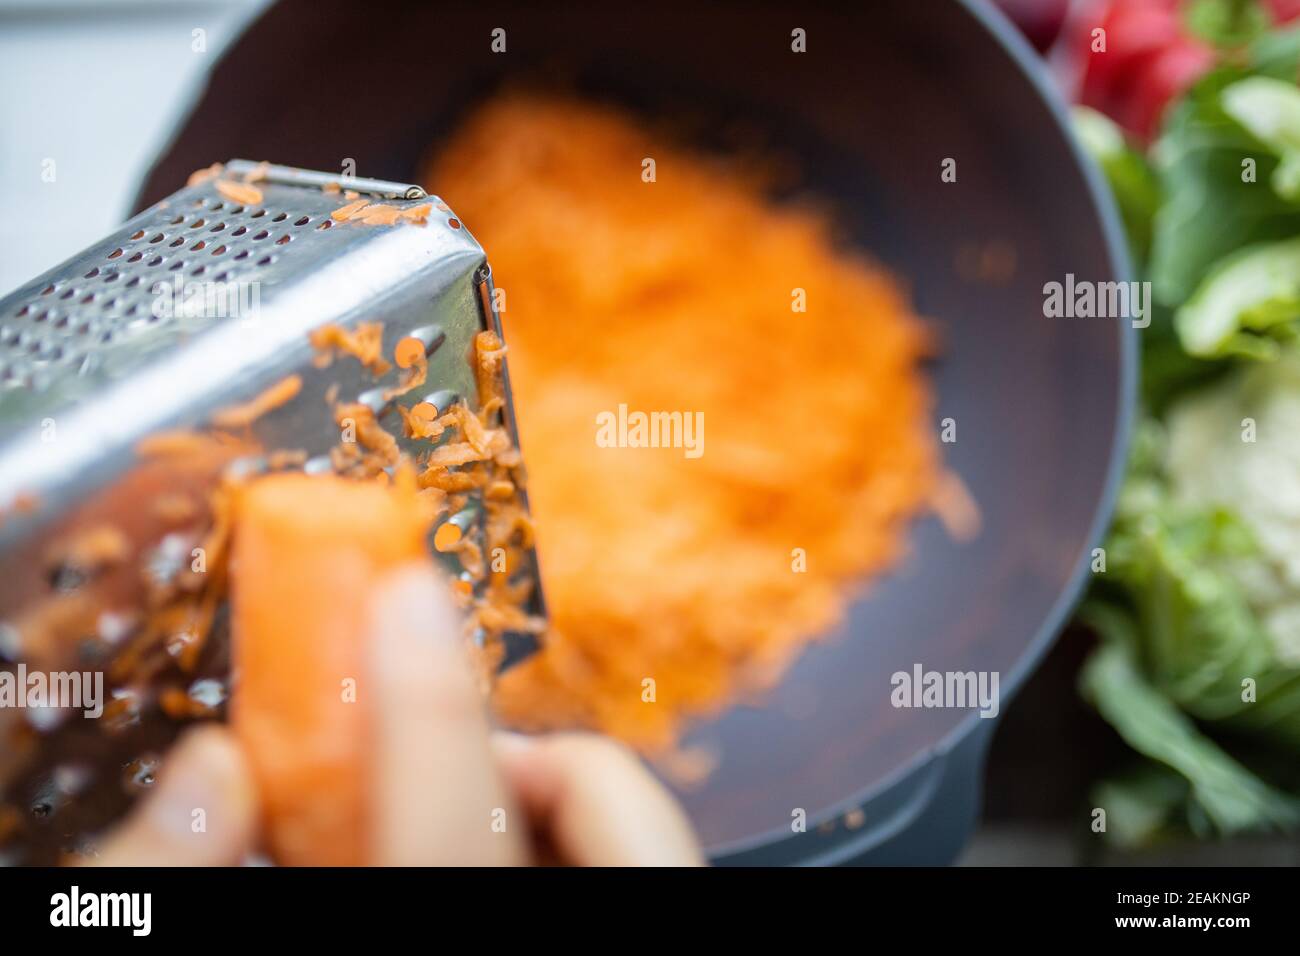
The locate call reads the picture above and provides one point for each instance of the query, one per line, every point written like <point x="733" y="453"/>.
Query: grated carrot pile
<point x="676" y="295"/>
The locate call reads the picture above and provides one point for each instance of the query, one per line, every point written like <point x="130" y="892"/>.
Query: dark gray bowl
<point x="880" y="99"/>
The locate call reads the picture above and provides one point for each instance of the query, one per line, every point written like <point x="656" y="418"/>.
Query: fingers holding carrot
<point x="407" y="772"/>
<point x="436" y="794"/>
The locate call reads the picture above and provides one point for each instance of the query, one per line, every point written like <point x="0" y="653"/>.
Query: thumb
<point x="437" y="799"/>
<point x="202" y="812"/>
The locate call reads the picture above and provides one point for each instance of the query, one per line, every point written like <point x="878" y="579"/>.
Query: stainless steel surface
<point x="289" y="176"/>
<point x="102" y="351"/>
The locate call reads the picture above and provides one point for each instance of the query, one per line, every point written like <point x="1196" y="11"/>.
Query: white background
<point x="97" y="86"/>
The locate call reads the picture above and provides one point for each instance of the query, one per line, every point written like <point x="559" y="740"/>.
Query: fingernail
<point x="413" y="625"/>
<point x="412" y="606"/>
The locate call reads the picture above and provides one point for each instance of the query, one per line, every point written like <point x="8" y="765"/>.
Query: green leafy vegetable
<point x="1226" y="22"/>
<point x="1247" y="305"/>
<point x="1146" y="803"/>
<point x="1196" y="667"/>
<point x="1181" y="644"/>
<point x="1269" y="110"/>
<point x="1232" y="798"/>
<point x="1215" y="202"/>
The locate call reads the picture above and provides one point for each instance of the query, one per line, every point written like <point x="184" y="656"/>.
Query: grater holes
<point x="167" y="248"/>
<point x="454" y="223"/>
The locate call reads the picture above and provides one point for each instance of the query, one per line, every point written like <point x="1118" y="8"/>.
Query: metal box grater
<point x="89" y="366"/>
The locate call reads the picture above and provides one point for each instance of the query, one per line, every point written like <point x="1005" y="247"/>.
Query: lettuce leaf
<point x="1178" y="640"/>
<point x="1249" y="304"/>
<point x="1231" y="797"/>
<point x="1208" y="210"/>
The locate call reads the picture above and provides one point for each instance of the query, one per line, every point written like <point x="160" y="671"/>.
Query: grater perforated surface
<point x="106" y="349"/>
<point x="103" y="348"/>
<point x="66" y="322"/>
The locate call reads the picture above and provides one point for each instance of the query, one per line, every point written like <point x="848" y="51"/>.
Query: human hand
<point x="444" y="789"/>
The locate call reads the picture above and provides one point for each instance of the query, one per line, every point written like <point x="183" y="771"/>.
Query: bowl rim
<point x="1034" y="70"/>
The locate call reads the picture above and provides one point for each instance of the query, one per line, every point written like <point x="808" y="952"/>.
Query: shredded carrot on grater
<point x="241" y="416"/>
<point x="200" y="176"/>
<point x="699" y="578"/>
<point x="365" y="343"/>
<point x="239" y="192"/>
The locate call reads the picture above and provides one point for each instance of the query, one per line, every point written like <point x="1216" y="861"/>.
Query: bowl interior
<point x="882" y="97"/>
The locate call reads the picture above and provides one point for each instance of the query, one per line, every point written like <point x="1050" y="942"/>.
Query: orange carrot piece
<point x="307" y="554"/>
<point x="200" y="176"/>
<point x="365" y="342"/>
<point x="241" y="416"/>
<point x="239" y="192"/>
<point x="344" y="213"/>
